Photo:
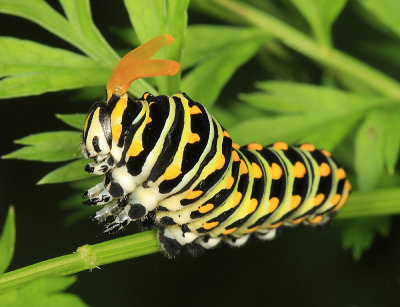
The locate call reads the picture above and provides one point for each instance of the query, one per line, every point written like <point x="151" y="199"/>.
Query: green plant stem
<point x="86" y="257"/>
<point x="302" y="43"/>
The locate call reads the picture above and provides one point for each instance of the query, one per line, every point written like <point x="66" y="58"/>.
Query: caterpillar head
<point x="97" y="131"/>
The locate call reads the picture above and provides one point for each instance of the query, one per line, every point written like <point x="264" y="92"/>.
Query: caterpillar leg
<point x="236" y="242"/>
<point x="103" y="192"/>
<point x="168" y="243"/>
<point x="208" y="242"/>
<point x="268" y="235"/>
<point x="98" y="198"/>
<point x="100" y="167"/>
<point x="111" y="209"/>
<point x="119" y="223"/>
<point x="93" y="191"/>
<point x="172" y="238"/>
<point x="125" y="210"/>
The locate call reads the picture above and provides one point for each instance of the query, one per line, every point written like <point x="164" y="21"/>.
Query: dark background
<point x="302" y="266"/>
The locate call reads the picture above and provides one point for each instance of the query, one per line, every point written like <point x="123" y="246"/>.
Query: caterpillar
<point x="167" y="161"/>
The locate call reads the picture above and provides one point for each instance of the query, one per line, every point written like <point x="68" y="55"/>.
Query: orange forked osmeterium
<point x="137" y="64"/>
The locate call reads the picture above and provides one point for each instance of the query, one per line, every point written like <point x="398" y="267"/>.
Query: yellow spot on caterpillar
<point x="319" y="199"/>
<point x="273" y="204"/>
<point x="119" y="109"/>
<point x="308" y="147"/>
<point x="146" y="95"/>
<point x="116" y="116"/>
<point x="210" y="225"/>
<point x="116" y="132"/>
<point x="226" y="134"/>
<point x="250" y="230"/>
<point x="236" y="200"/>
<point x="299" y="170"/>
<point x="193" y="138"/>
<point x="220" y="161"/>
<point x="135" y="149"/>
<point x="295" y="201"/>
<point x="341" y="174"/>
<point x="229" y="231"/>
<point x="151" y="103"/>
<point x="243" y="167"/>
<point x="256" y="170"/>
<point x="335" y="199"/>
<point x="326" y="153"/>
<point x="347" y="185"/>
<point x="195" y="110"/>
<point x="194" y="194"/>
<point x="276" y="171"/>
<point x="149" y="120"/>
<point x="235" y="156"/>
<point x="324" y="169"/>
<point x="254" y="146"/>
<point x="275" y="225"/>
<point x="342" y="201"/>
<point x="236" y="146"/>
<point x="206" y="208"/>
<point x="253" y="205"/>
<point x="172" y="172"/>
<point x="316" y="219"/>
<point x="298" y="220"/>
<point x="230" y="183"/>
<point x="281" y="145"/>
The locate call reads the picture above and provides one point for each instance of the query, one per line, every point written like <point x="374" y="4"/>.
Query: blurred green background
<point x="302" y="266"/>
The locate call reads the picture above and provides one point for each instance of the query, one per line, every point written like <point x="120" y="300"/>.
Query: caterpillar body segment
<point x="166" y="160"/>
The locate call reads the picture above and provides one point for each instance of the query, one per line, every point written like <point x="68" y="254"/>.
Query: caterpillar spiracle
<point x="167" y="160"/>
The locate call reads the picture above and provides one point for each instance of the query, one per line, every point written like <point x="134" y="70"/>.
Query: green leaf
<point x="89" y="94"/>
<point x="320" y="15"/>
<point x="79" y="30"/>
<point x="126" y="34"/>
<point x="358" y="235"/>
<point x="334" y="131"/>
<point x="69" y="172"/>
<point x="206" y="80"/>
<point x="290" y="97"/>
<point x="27" y="78"/>
<point x="7" y="241"/>
<point x="369" y="144"/>
<point x="80" y="17"/>
<point x="385" y="12"/>
<point x="42" y="292"/>
<point x="31" y="68"/>
<point x="391" y="141"/>
<point x="74" y="120"/>
<point x="48" y="147"/>
<point x="203" y="41"/>
<point x="151" y="18"/>
<point x="317" y="114"/>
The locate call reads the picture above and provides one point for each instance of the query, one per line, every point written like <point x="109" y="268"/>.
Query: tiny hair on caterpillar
<point x="167" y="160"/>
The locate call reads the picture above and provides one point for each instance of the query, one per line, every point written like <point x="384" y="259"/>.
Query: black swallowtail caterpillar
<point x="167" y="160"/>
